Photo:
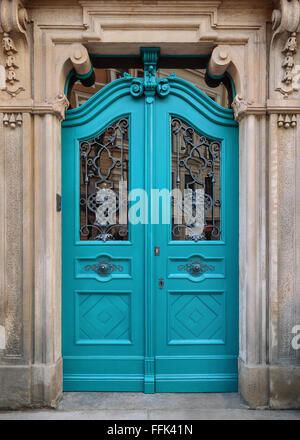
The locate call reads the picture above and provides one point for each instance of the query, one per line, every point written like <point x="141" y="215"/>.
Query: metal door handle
<point x="103" y="268"/>
<point x="196" y="268"/>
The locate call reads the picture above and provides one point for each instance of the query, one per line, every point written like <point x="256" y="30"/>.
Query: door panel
<point x="103" y="272"/>
<point x="196" y="312"/>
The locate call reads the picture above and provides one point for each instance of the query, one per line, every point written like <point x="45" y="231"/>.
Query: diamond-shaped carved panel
<point x="196" y="317"/>
<point x="103" y="317"/>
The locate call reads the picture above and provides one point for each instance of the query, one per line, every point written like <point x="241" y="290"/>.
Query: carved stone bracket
<point x="59" y="105"/>
<point x="13" y="20"/>
<point x="80" y="59"/>
<point x="240" y="107"/>
<point x="219" y="60"/>
<point x="150" y="84"/>
<point x="286" y="18"/>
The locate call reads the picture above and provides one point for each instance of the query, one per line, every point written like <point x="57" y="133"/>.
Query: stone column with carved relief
<point x="30" y="369"/>
<point x="16" y="230"/>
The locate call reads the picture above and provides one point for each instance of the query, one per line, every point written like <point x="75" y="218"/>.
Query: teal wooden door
<point x="150" y="292"/>
<point x="196" y="313"/>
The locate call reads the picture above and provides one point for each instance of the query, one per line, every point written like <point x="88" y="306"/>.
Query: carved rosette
<point x="161" y="87"/>
<point x="137" y="87"/>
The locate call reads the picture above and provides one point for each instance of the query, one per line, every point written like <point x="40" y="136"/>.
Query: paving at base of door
<point x="161" y="406"/>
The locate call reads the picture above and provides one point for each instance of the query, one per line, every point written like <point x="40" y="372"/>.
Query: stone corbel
<point x="286" y="18"/>
<point x="59" y="105"/>
<point x="240" y="107"/>
<point x="82" y="65"/>
<point x="219" y="60"/>
<point x="13" y="22"/>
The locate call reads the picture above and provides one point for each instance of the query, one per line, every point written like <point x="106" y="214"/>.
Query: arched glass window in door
<point x="104" y="168"/>
<point x="196" y="173"/>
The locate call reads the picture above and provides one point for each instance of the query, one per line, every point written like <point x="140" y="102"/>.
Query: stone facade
<point x="256" y="42"/>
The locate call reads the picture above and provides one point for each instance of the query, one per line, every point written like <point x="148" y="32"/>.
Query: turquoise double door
<point x="150" y="241"/>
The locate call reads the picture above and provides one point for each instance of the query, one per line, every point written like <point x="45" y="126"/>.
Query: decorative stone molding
<point x="100" y="18"/>
<point x="240" y="107"/>
<point x="287" y="121"/>
<point x="288" y="66"/>
<point x="286" y="19"/>
<point x="12" y="120"/>
<point x="289" y="51"/>
<point x="59" y="105"/>
<point x="13" y="20"/>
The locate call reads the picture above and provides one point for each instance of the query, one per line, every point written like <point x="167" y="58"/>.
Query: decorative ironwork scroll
<point x="103" y="267"/>
<point x="104" y="172"/>
<point x="196" y="267"/>
<point x="196" y="173"/>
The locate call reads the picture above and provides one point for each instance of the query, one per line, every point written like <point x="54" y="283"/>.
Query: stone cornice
<point x="243" y="107"/>
<point x="283" y="106"/>
<point x="55" y="106"/>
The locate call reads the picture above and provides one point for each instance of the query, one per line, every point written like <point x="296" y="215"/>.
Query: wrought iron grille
<point x="195" y="167"/>
<point x="103" y="166"/>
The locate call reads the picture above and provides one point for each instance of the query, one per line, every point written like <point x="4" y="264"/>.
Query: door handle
<point x="196" y="268"/>
<point x="103" y="268"/>
<point x="161" y="283"/>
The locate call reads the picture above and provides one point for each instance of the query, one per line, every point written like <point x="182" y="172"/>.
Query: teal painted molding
<point x="72" y="74"/>
<point x="178" y="87"/>
<point x="227" y="74"/>
<point x="213" y="76"/>
<point x="150" y="84"/>
<point x="151" y="55"/>
<point x="69" y="76"/>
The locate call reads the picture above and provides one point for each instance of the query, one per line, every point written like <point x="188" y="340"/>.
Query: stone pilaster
<point x="30" y="354"/>
<point x="284" y="199"/>
<point x="253" y="370"/>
